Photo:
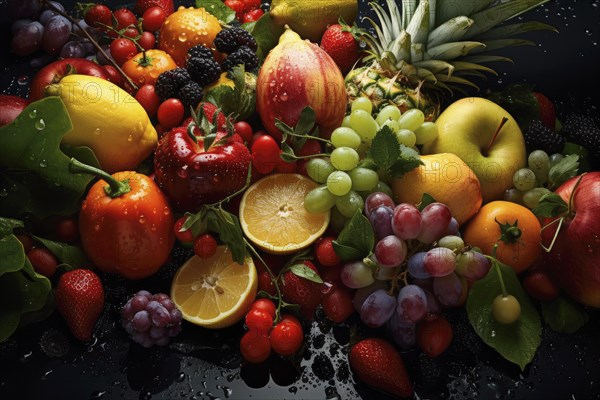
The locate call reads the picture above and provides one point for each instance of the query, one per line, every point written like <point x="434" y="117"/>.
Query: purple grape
<point x="412" y="303"/>
<point x="356" y="275"/>
<point x="56" y="34"/>
<point x="406" y="221"/>
<point x="127" y="311"/>
<point x="129" y="328"/>
<point x="141" y="321"/>
<point x="377" y="199"/>
<point x="175" y="316"/>
<point x="433" y="306"/>
<point x="435" y="219"/>
<point x="100" y="57"/>
<point x="72" y="49"/>
<point x="28" y="39"/>
<point x="56" y="4"/>
<point x="18" y="24"/>
<point x="415" y="266"/>
<point x="390" y="251"/>
<point x="41" y="61"/>
<point x="174" y="330"/>
<point x="18" y="9"/>
<point x="448" y="290"/>
<point x="157" y="332"/>
<point x="361" y="294"/>
<point x="140" y="337"/>
<point x="381" y="221"/>
<point x="145" y="293"/>
<point x="138" y="303"/>
<point x="452" y="228"/>
<point x="472" y="265"/>
<point x="377" y="308"/>
<point x="403" y="332"/>
<point x="160" y="316"/>
<point x="439" y="261"/>
<point x="46" y="16"/>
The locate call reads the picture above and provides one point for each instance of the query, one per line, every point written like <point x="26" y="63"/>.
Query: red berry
<point x="67" y="230"/>
<point x="434" y="335"/>
<point x="124" y="18"/>
<point x="113" y="75"/>
<point x="287" y="336"/>
<point x="255" y="346"/>
<point x="153" y="19"/>
<point x="265" y="305"/>
<point x="26" y="241"/>
<point x="183" y="236"/>
<point x="98" y="15"/>
<point x="170" y="113"/>
<point x="205" y="246"/>
<point x="122" y="49"/>
<point x="324" y="252"/>
<point x="43" y="261"/>
<point x="148" y="98"/>
<point x="540" y="286"/>
<point x="147" y="40"/>
<point x="243" y="129"/>
<point x="252" y="15"/>
<point x="237" y="6"/>
<point x="310" y="148"/>
<point x="259" y="320"/>
<point x="337" y="304"/>
<point x="131" y="32"/>
<point x="285" y="167"/>
<point x="265" y="154"/>
<point x="298" y="290"/>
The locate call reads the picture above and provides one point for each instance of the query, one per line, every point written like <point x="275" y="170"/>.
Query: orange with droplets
<point x="186" y="28"/>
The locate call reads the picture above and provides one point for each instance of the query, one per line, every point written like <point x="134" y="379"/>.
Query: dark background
<point x="202" y="364"/>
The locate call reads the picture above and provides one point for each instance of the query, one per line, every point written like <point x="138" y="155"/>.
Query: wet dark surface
<point x="42" y="361"/>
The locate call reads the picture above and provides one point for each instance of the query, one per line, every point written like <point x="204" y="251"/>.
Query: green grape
<point x="426" y="133"/>
<point x="362" y="103"/>
<point x="555" y="159"/>
<point x="339" y="183"/>
<point x="524" y="179"/>
<point x="344" y="158"/>
<point x="319" y="200"/>
<point x="392" y="124"/>
<point x="539" y="163"/>
<point x="412" y="119"/>
<point x="513" y="195"/>
<point x="346" y="121"/>
<point x="363" y="179"/>
<point x="318" y="169"/>
<point x="338" y="220"/>
<point x="349" y="204"/>
<point x="406" y="137"/>
<point x="364" y="124"/>
<point x="388" y="112"/>
<point x="451" y="242"/>
<point x="531" y="198"/>
<point x="380" y="187"/>
<point x="345" y="137"/>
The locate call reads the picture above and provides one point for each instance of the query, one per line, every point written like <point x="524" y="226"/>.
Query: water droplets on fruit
<point x="284" y="96"/>
<point x="182" y="37"/>
<point x="40" y="124"/>
<point x="97" y="131"/>
<point x="166" y="210"/>
<point x="142" y="219"/>
<point x="43" y="163"/>
<point x="23" y="80"/>
<point x="33" y="114"/>
<point x="183" y="172"/>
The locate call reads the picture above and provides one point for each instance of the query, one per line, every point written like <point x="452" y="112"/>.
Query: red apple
<point x="10" y="108"/>
<point x="574" y="260"/>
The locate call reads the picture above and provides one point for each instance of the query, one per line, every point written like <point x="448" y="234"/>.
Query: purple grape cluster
<point x="151" y="319"/>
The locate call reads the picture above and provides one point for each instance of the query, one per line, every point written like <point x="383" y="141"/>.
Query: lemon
<point x="273" y="217"/>
<point x="310" y="18"/>
<point x="106" y="119"/>
<point x="215" y="292"/>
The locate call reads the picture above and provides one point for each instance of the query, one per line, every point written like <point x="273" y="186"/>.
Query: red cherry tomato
<point x="124" y="18"/>
<point x="43" y="261"/>
<point x="122" y="49"/>
<point x="265" y="305"/>
<point x="170" y="113"/>
<point x="98" y="16"/>
<point x="285" y="167"/>
<point x="243" y="129"/>
<point x="183" y="236"/>
<point x="338" y="305"/>
<point x="153" y="19"/>
<point x="147" y="40"/>
<point x="112" y="75"/>
<point x="259" y="320"/>
<point x="148" y="98"/>
<point x="310" y="148"/>
<point x="237" y="6"/>
<point x="252" y="15"/>
<point x="287" y="336"/>
<point x="67" y="230"/>
<point x="265" y="154"/>
<point x="26" y="241"/>
<point x="131" y="32"/>
<point x="255" y="346"/>
<point x="205" y="246"/>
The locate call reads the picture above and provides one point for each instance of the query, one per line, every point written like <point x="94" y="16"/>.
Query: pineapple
<point x="432" y="47"/>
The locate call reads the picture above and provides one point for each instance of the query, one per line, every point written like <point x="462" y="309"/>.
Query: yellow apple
<point x="486" y="137"/>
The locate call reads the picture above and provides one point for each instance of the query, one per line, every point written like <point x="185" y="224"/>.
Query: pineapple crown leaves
<point x="443" y="42"/>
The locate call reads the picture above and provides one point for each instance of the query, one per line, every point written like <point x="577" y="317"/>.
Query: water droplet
<point x="272" y="83"/>
<point x="183" y="172"/>
<point x="166" y="210"/>
<point x="182" y="38"/>
<point x="40" y="124"/>
<point x="284" y="96"/>
<point x="130" y="138"/>
<point x="181" y="377"/>
<point x="3" y="192"/>
<point x="142" y="219"/>
<point x="23" y="80"/>
<point x="33" y="114"/>
<point x="43" y="164"/>
<point x="97" y="227"/>
<point x="97" y="131"/>
<point x="493" y="334"/>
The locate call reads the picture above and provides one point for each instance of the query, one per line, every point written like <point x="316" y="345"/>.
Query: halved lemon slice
<point x="273" y="216"/>
<point x="215" y="292"/>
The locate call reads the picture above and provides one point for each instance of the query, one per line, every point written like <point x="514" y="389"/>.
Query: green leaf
<point x="239" y="100"/>
<point x="36" y="172"/>
<point x="550" y="205"/>
<point x="13" y="254"/>
<point x="266" y="33"/>
<point x="287" y="153"/>
<point x="356" y="240"/>
<point x="304" y="272"/>
<point x="7" y="225"/>
<point x="516" y="342"/>
<point x="66" y="253"/>
<point x="426" y="200"/>
<point x="409" y="160"/>
<point x="218" y="9"/>
<point x="228" y="227"/>
<point x="564" y="315"/>
<point x="564" y="170"/>
<point x="385" y="149"/>
<point x="196" y="222"/>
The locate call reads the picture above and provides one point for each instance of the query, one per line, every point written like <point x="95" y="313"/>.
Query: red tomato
<point x="434" y="335"/>
<point x="183" y="236"/>
<point x="43" y="261"/>
<point x="265" y="305"/>
<point x="148" y="98"/>
<point x="259" y="320"/>
<point x="287" y="336"/>
<point x="285" y="167"/>
<point x="255" y="346"/>
<point x="147" y="40"/>
<point x="310" y="148"/>
<point x="122" y="49"/>
<point x="131" y="32"/>
<point x="252" y="15"/>
<point x="237" y="6"/>
<point x="124" y="18"/>
<point x="98" y="15"/>
<point x="153" y="19"/>
<point x="265" y="154"/>
<point x="243" y="129"/>
<point x="205" y="246"/>
<point x="57" y="69"/>
<point x="25" y="240"/>
<point x="338" y="305"/>
<point x="170" y="113"/>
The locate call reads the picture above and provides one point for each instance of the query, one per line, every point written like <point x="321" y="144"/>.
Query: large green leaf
<point x="266" y="33"/>
<point x="356" y="240"/>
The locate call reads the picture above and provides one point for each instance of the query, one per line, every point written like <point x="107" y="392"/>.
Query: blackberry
<point x="583" y="130"/>
<point x="190" y="95"/>
<point x="169" y="82"/>
<point x="539" y="137"/>
<point x="230" y="39"/>
<point x="203" y="70"/>
<point x="243" y="55"/>
<point x="200" y="51"/>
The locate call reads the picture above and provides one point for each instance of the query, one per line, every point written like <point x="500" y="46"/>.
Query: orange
<point x="445" y="177"/>
<point x="519" y="251"/>
<point x="273" y="216"/>
<point x="186" y="28"/>
<point x="144" y="69"/>
<point x="215" y="292"/>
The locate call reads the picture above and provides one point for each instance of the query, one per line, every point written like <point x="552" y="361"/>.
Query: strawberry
<point x="434" y="335"/>
<point x="341" y="42"/>
<point x="378" y="364"/>
<point x="142" y="5"/>
<point x="547" y="111"/>
<point x="539" y="286"/>
<point x="324" y="252"/>
<point x="299" y="290"/>
<point x="80" y="300"/>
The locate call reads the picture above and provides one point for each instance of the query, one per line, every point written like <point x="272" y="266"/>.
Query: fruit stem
<point x="114" y="189"/>
<point x="497" y="267"/>
<point x="94" y="42"/>
<point x="489" y="146"/>
<point x="560" y="222"/>
<point x="572" y="196"/>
